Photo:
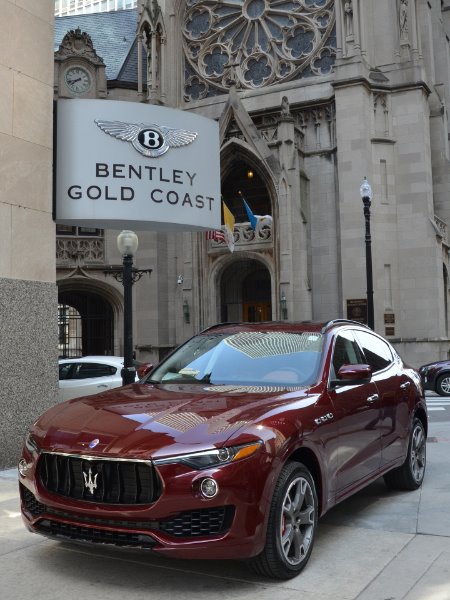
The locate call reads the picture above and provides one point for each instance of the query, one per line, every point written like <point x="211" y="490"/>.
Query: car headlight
<point x="212" y="458"/>
<point x="31" y="445"/>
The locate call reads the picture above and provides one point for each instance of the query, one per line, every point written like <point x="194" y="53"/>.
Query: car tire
<point x="292" y="524"/>
<point x="443" y="385"/>
<point x="410" y="475"/>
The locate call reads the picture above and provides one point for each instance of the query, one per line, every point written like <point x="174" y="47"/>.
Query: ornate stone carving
<point x="83" y="249"/>
<point x="78" y="43"/>
<point x="348" y="11"/>
<point x="244" y="235"/>
<point x="381" y="114"/>
<point x="442" y="227"/>
<point x="403" y="20"/>
<point x="317" y="127"/>
<point x="255" y="43"/>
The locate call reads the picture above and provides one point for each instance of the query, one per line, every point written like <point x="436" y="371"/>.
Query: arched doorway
<point x="245" y="292"/>
<point x="86" y="324"/>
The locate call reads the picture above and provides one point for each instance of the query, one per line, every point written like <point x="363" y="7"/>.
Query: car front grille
<point x="196" y="523"/>
<point x="99" y="480"/>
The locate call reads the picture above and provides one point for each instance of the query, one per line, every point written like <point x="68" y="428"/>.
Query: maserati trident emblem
<point x="149" y="140"/>
<point x="89" y="483"/>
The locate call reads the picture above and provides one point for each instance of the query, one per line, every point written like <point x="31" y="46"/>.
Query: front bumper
<point x="180" y="523"/>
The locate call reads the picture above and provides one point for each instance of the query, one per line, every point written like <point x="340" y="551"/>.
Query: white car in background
<point x="92" y="375"/>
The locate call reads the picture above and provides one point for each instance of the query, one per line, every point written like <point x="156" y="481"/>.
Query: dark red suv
<point x="232" y="447"/>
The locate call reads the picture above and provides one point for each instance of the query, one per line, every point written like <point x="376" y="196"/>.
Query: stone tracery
<point x="255" y="43"/>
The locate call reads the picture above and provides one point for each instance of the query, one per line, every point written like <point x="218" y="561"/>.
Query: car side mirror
<point x="353" y="375"/>
<point x="144" y="369"/>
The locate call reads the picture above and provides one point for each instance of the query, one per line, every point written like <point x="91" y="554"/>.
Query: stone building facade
<point x="311" y="96"/>
<point x="28" y="294"/>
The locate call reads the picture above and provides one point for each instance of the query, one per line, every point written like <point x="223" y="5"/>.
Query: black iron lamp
<point x="366" y="196"/>
<point x="127" y="243"/>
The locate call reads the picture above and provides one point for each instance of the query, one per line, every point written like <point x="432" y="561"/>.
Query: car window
<point x="90" y="370"/>
<point x="346" y="352"/>
<point x="377" y="352"/>
<point x="64" y="370"/>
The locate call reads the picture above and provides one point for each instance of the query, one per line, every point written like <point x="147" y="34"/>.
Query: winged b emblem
<point x="150" y="140"/>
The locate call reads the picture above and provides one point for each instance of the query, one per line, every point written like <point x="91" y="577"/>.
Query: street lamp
<point x="127" y="275"/>
<point x="127" y="243"/>
<point x="366" y="196"/>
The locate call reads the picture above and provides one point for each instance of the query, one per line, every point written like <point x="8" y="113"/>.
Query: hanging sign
<point x="138" y="166"/>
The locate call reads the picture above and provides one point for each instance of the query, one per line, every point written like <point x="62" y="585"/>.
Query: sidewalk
<point x="379" y="545"/>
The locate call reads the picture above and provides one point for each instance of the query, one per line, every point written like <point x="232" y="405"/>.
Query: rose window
<point x="255" y="43"/>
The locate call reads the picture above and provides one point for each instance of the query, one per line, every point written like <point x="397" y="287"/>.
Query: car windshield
<point x="250" y="358"/>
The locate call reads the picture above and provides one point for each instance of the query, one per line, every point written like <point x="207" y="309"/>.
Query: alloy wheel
<point x="418" y="452"/>
<point x="444" y="385"/>
<point x="297" y="521"/>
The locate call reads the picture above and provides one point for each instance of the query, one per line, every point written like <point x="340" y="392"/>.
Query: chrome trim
<point x="90" y="457"/>
<point x="178" y="457"/>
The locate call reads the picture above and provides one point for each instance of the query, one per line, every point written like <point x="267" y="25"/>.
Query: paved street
<point x="438" y="407"/>
<point x="378" y="545"/>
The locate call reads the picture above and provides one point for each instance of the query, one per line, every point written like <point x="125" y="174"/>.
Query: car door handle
<point x="373" y="398"/>
<point x="102" y="385"/>
<point x="405" y="386"/>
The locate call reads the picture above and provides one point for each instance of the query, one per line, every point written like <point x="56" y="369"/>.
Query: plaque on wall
<point x="389" y="318"/>
<point x="357" y="310"/>
<point x="389" y="331"/>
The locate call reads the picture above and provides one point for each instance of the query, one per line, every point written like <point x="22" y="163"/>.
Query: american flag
<point x="216" y="236"/>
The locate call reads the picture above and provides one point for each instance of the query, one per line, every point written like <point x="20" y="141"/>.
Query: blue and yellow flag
<point x="228" y="220"/>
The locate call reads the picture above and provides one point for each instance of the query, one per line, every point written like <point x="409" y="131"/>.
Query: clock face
<point x="77" y="80"/>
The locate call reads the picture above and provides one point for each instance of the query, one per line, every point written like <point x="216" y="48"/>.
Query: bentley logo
<point x="89" y="483"/>
<point x="149" y="140"/>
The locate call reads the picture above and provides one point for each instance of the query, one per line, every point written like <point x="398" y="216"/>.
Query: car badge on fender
<point x="149" y="140"/>
<point x="89" y="483"/>
<point x="94" y="443"/>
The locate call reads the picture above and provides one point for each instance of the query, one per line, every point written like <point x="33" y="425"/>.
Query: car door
<point x="87" y="378"/>
<point x="357" y="413"/>
<point x="394" y="388"/>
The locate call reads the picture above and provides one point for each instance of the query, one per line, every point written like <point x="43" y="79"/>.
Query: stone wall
<point x="28" y="300"/>
<point x="28" y="359"/>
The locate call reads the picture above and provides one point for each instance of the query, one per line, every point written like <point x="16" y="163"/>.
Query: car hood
<point x="142" y="420"/>
<point x="436" y="364"/>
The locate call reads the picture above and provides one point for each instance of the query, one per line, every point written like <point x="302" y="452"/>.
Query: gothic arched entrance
<point x="245" y="292"/>
<point x="86" y="324"/>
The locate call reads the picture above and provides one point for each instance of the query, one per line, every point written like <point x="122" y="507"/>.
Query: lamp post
<point x="366" y="196"/>
<point x="127" y="243"/>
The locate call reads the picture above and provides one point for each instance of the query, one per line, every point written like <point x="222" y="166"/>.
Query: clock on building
<point x="78" y="80"/>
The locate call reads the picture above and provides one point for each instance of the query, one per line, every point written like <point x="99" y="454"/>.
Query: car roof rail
<point x="217" y="325"/>
<point x="332" y="322"/>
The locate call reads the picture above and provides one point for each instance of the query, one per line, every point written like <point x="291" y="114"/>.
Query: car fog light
<point x="23" y="467"/>
<point x="209" y="487"/>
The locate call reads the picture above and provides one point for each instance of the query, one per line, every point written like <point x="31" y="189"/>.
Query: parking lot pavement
<point x="377" y="545"/>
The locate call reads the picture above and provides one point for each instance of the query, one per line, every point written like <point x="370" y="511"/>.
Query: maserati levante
<point x="232" y="447"/>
